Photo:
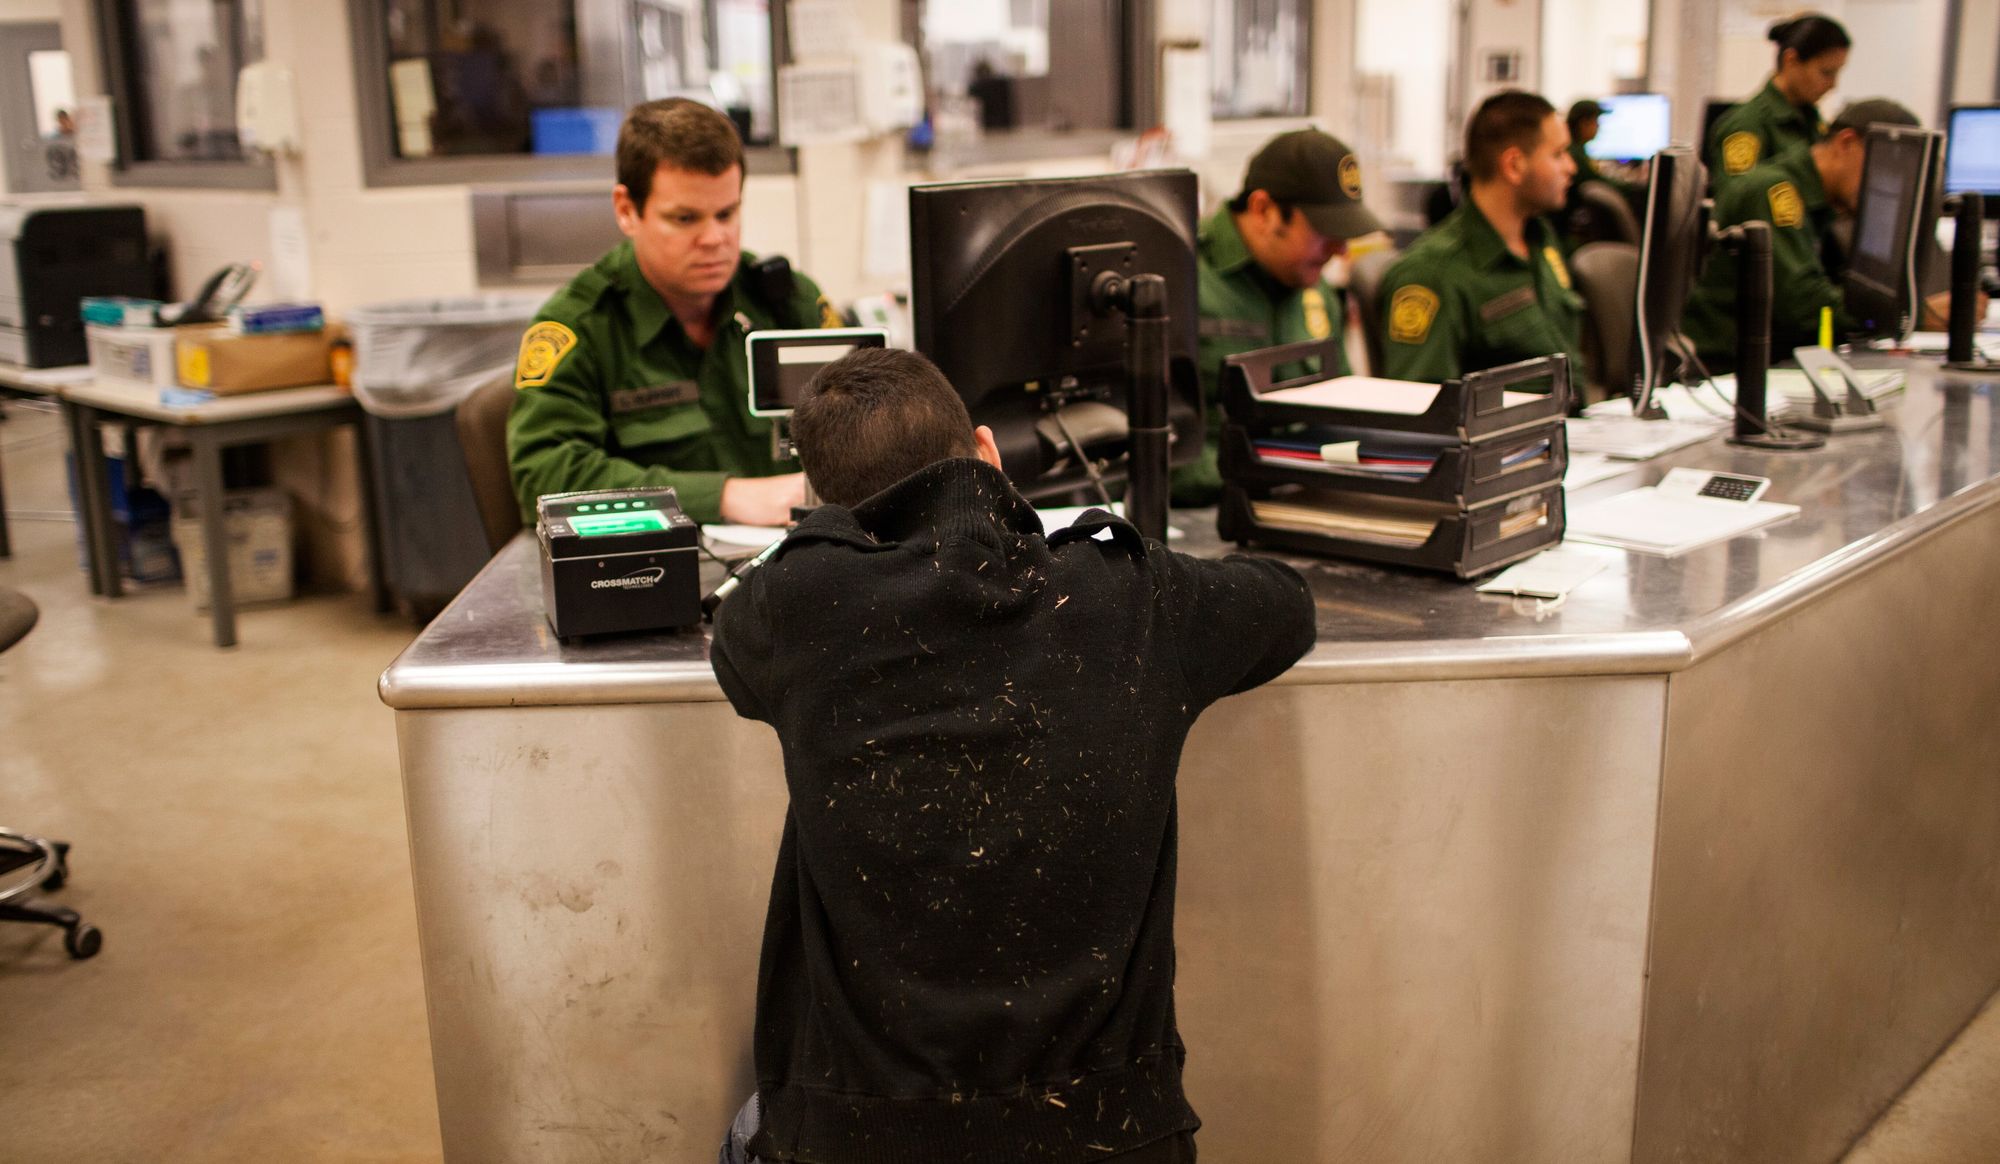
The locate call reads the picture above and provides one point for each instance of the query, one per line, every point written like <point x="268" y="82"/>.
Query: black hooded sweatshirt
<point x="969" y="953"/>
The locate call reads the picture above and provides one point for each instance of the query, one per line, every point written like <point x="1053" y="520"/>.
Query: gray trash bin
<point x="414" y="361"/>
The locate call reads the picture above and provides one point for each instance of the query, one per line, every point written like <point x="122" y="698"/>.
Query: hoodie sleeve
<point x="1237" y="623"/>
<point x="740" y="650"/>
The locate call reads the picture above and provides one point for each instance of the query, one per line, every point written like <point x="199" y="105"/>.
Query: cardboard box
<point x="132" y="355"/>
<point x="215" y="359"/>
<point x="258" y="524"/>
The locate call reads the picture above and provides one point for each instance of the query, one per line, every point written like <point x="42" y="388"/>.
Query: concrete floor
<point x="238" y="828"/>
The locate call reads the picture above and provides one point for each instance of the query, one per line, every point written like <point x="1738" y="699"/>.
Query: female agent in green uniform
<point x="1812" y="49"/>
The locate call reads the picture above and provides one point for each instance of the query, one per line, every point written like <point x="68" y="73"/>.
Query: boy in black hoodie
<point x="969" y="953"/>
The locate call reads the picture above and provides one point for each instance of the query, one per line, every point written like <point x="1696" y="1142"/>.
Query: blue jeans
<point x="736" y="1145"/>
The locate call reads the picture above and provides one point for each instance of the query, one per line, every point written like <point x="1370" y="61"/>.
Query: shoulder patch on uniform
<point x="1556" y="264"/>
<point x="1350" y="176"/>
<point x="1411" y="311"/>
<point x="1787" y="208"/>
<point x="1312" y="302"/>
<point x="1740" y="150"/>
<point x="542" y="349"/>
<point x="828" y="317"/>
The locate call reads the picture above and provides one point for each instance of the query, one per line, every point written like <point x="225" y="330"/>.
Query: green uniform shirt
<point x="1244" y="309"/>
<point x="1785" y="192"/>
<point x="1757" y="131"/>
<point x="1459" y="301"/>
<point x="611" y="393"/>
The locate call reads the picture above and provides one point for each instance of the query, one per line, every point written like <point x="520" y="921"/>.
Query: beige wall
<point x="1978" y="53"/>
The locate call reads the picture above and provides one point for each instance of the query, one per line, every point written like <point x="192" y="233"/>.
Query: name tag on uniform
<point x="1209" y="327"/>
<point x="1494" y="310"/>
<point x="672" y="392"/>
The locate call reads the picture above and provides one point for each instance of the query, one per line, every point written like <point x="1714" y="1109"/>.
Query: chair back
<point x="482" y="434"/>
<point x="1607" y="276"/>
<point x="1364" y="285"/>
<point x="1599" y="213"/>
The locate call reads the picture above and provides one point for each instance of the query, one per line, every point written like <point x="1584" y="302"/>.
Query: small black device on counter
<point x="617" y="560"/>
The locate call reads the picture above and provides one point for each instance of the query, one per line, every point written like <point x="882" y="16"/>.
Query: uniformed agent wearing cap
<point x="1812" y="49"/>
<point x="634" y="374"/>
<point x="1800" y="193"/>
<point x="1260" y="258"/>
<point x="1488" y="285"/>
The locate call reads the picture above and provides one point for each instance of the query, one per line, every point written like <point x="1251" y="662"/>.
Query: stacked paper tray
<point x="1477" y="405"/>
<point x="1458" y="473"/>
<point x="1419" y="534"/>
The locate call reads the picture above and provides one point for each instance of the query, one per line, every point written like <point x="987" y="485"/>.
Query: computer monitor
<point x="1632" y="127"/>
<point x="1671" y="246"/>
<point x="1972" y="154"/>
<point x="1897" y="207"/>
<point x="1002" y="276"/>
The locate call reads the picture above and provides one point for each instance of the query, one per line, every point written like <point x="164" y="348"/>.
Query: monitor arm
<point x="1751" y="244"/>
<point x="1143" y="301"/>
<point x="1968" y="214"/>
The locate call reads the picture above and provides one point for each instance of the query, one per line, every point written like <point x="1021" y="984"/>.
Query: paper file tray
<point x="1422" y="535"/>
<point x="1461" y="475"/>
<point x="1476" y="405"/>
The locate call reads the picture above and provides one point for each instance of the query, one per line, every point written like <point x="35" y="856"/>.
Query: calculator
<point x="1721" y="486"/>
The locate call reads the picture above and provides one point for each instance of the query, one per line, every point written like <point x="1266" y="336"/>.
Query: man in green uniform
<point x="1798" y="193"/>
<point x="1259" y="259"/>
<point x="634" y="374"/>
<point x="1579" y="216"/>
<point x="1784" y="114"/>
<point x="1488" y="285"/>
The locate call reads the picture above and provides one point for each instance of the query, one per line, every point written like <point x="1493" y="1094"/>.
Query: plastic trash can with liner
<point x="414" y="361"/>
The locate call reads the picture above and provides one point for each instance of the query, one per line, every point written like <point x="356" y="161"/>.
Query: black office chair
<point x="1364" y="286"/>
<point x="30" y="864"/>
<point x="482" y="434"/>
<point x="1597" y="212"/>
<point x="1607" y="276"/>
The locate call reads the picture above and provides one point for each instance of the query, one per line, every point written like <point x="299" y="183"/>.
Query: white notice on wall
<point x="818" y="104"/>
<point x="95" y="140"/>
<point x="822" y="29"/>
<point x="885" y="248"/>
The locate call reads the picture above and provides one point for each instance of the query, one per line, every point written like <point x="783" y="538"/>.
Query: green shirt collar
<point x="1481" y="244"/>
<point x="1222" y="243"/>
<point x="649" y="313"/>
<point x="1798" y="163"/>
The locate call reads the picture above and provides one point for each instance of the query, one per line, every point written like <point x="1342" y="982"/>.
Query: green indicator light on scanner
<point x="637" y="521"/>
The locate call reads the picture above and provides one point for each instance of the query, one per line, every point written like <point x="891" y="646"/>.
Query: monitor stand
<point x="1751" y="243"/>
<point x="1968" y="238"/>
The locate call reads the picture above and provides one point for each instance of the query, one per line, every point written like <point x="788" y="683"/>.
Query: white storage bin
<point x="419" y="358"/>
<point x="132" y="355"/>
<point x="259" y="525"/>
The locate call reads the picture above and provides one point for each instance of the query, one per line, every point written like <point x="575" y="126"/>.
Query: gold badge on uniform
<point x="1318" y="324"/>
<point x="1350" y="176"/>
<point x="1740" y="150"/>
<point x="828" y="317"/>
<point x="1411" y="311"/>
<point x="542" y="349"/>
<point x="1556" y="265"/>
<point x="1787" y="208"/>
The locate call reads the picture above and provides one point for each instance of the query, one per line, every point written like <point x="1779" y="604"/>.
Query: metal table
<point x="30" y="384"/>
<point x="1695" y="865"/>
<point x="210" y="428"/>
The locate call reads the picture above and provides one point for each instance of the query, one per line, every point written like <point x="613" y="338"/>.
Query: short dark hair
<point x="1511" y="117"/>
<point x="1809" y="36"/>
<point x="873" y="417"/>
<point x="686" y="135"/>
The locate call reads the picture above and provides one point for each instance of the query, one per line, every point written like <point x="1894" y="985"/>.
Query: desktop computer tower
<point x="51" y="256"/>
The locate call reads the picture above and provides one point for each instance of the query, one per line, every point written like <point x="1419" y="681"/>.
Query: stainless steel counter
<point x="1695" y="865"/>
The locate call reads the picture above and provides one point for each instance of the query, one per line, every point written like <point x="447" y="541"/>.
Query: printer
<point x="52" y="254"/>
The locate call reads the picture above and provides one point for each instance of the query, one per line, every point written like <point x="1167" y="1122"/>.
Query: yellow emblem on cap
<point x="828" y="317"/>
<point x="1787" y="208"/>
<point x="1350" y="176"/>
<point x="1740" y="150"/>
<point x="1318" y="324"/>
<point x="1411" y="311"/>
<point x="1556" y="264"/>
<point x="542" y="349"/>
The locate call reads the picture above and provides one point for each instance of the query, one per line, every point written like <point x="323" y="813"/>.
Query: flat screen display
<point x="1631" y="128"/>
<point x="782" y="363"/>
<point x="1972" y="153"/>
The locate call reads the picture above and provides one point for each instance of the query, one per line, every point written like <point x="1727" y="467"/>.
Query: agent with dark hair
<point x="1488" y="285"/>
<point x="969" y="950"/>
<point x="1260" y="259"/>
<point x="1812" y="49"/>
<point x="634" y="374"/>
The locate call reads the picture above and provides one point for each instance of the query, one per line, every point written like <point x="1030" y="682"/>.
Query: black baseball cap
<point x="1318" y="174"/>
<point x="1583" y="111"/>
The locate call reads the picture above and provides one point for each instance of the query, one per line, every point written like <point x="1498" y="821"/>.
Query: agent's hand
<point x="762" y="500"/>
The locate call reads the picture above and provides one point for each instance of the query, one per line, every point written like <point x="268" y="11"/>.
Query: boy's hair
<point x="684" y="134"/>
<point x="1512" y="117"/>
<point x="873" y="417"/>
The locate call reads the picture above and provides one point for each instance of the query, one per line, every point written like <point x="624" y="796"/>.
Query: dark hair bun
<point x="1782" y="31"/>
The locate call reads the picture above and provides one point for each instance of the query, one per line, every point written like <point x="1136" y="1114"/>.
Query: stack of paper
<point x="1374" y="394"/>
<point x="1654" y="523"/>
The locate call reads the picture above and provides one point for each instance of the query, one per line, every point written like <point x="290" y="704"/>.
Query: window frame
<point x="119" y="63"/>
<point x="380" y="167"/>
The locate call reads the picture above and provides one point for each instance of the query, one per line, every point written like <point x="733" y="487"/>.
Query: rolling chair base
<point x="50" y="860"/>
